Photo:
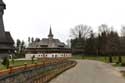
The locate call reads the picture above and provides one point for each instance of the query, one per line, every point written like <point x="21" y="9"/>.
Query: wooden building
<point x="47" y="47"/>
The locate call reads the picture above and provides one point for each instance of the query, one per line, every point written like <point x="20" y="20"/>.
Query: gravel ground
<point x="88" y="71"/>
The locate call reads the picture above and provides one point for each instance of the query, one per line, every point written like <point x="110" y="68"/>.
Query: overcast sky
<point x="24" y="18"/>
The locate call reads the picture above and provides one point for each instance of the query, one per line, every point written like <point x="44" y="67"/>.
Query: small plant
<point x="6" y="62"/>
<point x="122" y="64"/>
<point x="120" y="59"/>
<point x="110" y="59"/>
<point x="33" y="59"/>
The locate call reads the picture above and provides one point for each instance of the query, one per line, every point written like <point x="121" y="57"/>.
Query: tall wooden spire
<point x="50" y="36"/>
<point x="6" y="41"/>
<point x="2" y="32"/>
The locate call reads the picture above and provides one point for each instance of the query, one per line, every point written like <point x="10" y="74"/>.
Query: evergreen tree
<point x="90" y="47"/>
<point x="6" y="62"/>
<point x="20" y="49"/>
<point x="119" y="59"/>
<point x="18" y="46"/>
<point x="110" y="59"/>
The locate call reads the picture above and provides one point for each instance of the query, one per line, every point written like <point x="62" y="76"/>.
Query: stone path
<point x="87" y="71"/>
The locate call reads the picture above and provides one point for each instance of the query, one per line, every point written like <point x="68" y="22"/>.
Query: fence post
<point x="10" y="69"/>
<point x="25" y="65"/>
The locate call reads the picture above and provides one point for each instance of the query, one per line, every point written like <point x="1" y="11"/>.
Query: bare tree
<point x="102" y="38"/>
<point x="123" y="31"/>
<point x="104" y="28"/>
<point x="81" y="31"/>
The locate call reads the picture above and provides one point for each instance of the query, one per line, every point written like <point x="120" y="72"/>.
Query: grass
<point x="18" y="63"/>
<point x="99" y="58"/>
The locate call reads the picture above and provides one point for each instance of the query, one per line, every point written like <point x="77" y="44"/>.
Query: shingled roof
<point x="6" y="38"/>
<point x="54" y="43"/>
<point x="6" y="42"/>
<point x="49" y="42"/>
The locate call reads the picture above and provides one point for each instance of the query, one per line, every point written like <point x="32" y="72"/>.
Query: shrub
<point x="122" y="64"/>
<point x="120" y="59"/>
<point x="110" y="59"/>
<point x="33" y="59"/>
<point x="6" y="62"/>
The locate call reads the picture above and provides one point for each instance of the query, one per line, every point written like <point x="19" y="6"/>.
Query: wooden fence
<point x="36" y="73"/>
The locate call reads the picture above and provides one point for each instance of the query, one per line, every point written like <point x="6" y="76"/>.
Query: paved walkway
<point x="87" y="71"/>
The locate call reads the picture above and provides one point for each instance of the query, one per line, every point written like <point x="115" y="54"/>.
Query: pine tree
<point x="6" y="62"/>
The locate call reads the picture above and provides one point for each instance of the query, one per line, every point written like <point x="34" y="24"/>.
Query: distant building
<point x="47" y="47"/>
<point x="6" y="41"/>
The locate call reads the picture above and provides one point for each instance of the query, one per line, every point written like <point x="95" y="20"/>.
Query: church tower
<point x="50" y="36"/>
<point x="6" y="41"/>
<point x="2" y="32"/>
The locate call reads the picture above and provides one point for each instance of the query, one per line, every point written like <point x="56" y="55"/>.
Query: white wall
<point x="48" y="55"/>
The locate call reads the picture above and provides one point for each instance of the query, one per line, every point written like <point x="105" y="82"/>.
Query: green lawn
<point x="99" y="58"/>
<point x="18" y="63"/>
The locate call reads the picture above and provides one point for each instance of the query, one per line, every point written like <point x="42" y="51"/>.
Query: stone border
<point x="52" y="74"/>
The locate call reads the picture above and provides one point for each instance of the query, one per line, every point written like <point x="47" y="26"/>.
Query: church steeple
<point x="6" y="41"/>
<point x="2" y="4"/>
<point x="2" y="7"/>
<point x="50" y="36"/>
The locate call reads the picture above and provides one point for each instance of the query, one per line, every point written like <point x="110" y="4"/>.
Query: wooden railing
<point x="36" y="73"/>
